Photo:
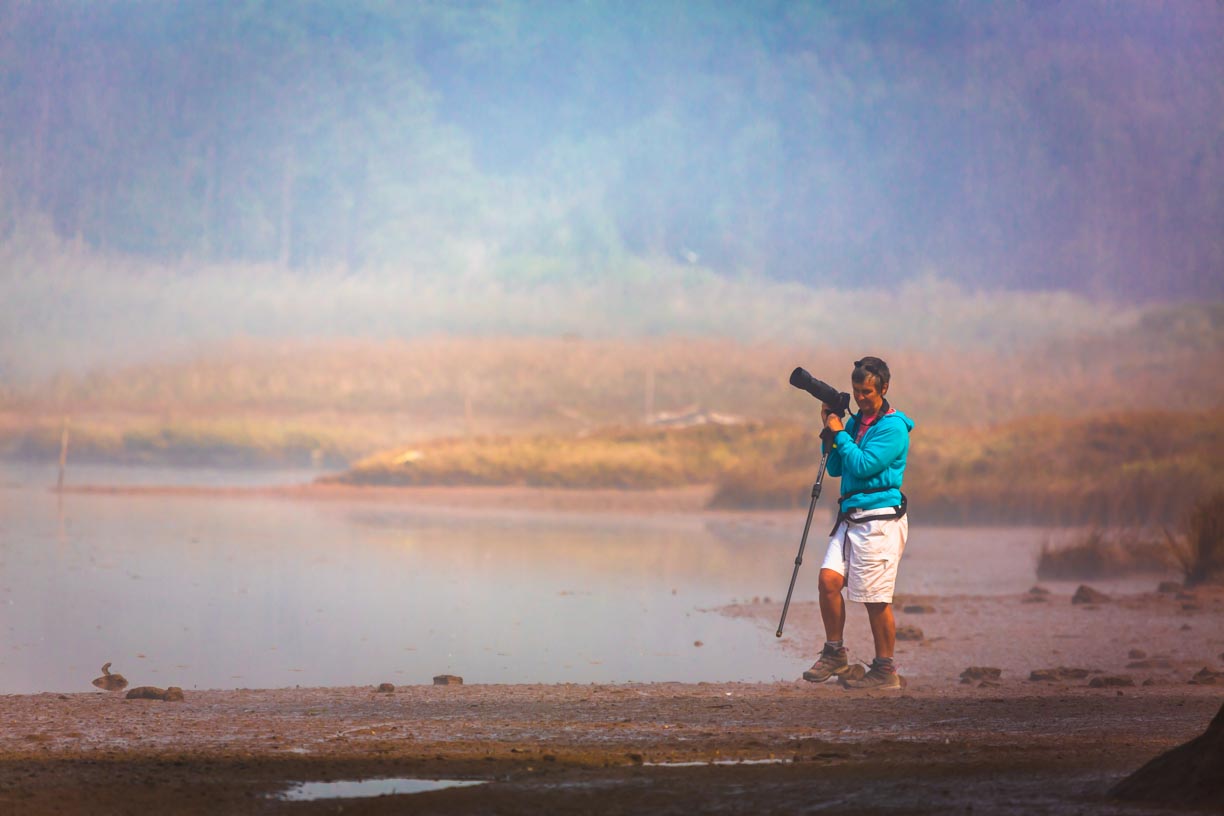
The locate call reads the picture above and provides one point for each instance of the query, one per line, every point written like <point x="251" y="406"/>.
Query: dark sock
<point x="884" y="664"/>
<point x="834" y="645"/>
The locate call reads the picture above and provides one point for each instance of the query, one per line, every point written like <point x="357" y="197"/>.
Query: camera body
<point x="837" y="401"/>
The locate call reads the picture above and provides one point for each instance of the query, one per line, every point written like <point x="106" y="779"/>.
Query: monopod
<point x="803" y="541"/>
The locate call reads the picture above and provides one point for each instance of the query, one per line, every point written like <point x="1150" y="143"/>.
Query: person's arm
<point x="884" y="445"/>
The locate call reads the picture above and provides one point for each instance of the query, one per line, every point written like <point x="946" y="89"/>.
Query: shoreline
<point x="669" y="748"/>
<point x="681" y="500"/>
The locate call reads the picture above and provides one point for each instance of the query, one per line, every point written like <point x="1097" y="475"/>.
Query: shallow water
<point x="263" y="592"/>
<point x="353" y="789"/>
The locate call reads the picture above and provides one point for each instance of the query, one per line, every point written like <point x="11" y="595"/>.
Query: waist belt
<point x="854" y="515"/>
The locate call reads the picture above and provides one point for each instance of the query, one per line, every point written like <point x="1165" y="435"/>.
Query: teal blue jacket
<point x="878" y="461"/>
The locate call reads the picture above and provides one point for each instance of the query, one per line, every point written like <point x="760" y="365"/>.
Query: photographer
<point x="868" y="452"/>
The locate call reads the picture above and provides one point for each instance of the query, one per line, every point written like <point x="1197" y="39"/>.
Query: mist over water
<point x="183" y="173"/>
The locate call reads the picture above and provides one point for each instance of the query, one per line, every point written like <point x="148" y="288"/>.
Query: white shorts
<point x="867" y="554"/>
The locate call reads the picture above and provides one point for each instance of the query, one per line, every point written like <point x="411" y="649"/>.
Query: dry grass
<point x="634" y="458"/>
<point x="1202" y="559"/>
<point x="1102" y="554"/>
<point x="1103" y="470"/>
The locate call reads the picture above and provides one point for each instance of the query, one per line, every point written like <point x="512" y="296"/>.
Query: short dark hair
<point x="871" y="367"/>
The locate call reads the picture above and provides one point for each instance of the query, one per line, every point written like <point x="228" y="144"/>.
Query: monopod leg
<point x="803" y="541"/>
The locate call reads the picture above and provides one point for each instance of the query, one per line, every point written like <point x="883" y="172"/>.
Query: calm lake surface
<point x="261" y="593"/>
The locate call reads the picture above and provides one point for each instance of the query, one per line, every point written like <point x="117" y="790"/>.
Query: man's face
<point x="869" y="398"/>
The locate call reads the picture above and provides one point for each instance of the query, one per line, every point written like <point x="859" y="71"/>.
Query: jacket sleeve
<point x="834" y="466"/>
<point x="884" y="446"/>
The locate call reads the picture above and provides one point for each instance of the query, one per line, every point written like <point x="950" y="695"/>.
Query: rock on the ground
<point x="1156" y="662"/>
<point x="909" y="633"/>
<point x="1190" y="774"/>
<point x="448" y="680"/>
<point x="1207" y="677"/>
<point x="174" y="694"/>
<point x="1058" y="674"/>
<point x="386" y="688"/>
<point x="982" y="673"/>
<point x="1087" y="595"/>
<point x="1111" y="681"/>
<point x="1136" y="654"/>
<point x="918" y="609"/>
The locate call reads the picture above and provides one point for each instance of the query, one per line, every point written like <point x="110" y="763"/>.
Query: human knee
<point x="831" y="583"/>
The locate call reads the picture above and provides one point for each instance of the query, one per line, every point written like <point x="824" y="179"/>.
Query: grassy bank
<point x="1118" y="469"/>
<point x="226" y="442"/>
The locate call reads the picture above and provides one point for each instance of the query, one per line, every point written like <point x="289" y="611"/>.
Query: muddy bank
<point x="607" y="749"/>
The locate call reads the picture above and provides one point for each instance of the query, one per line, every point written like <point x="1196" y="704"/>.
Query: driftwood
<point x="110" y="682"/>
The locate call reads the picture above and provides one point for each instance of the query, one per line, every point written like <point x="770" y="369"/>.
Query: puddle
<point x="701" y="763"/>
<point x="359" y="788"/>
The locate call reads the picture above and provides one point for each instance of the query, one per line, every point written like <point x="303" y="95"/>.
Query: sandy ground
<point x="1020" y="746"/>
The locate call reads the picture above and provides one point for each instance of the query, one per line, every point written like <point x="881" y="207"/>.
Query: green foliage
<point x="824" y="142"/>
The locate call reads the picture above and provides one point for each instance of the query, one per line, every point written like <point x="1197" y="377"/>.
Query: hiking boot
<point x="832" y="663"/>
<point x="874" y="678"/>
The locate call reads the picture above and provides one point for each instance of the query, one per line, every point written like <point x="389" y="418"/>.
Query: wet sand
<point x="597" y="749"/>
<point x="939" y="746"/>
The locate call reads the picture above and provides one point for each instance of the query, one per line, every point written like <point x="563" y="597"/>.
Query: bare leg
<point x="832" y="605"/>
<point x="883" y="626"/>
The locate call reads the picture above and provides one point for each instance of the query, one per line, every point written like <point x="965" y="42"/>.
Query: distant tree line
<point x="1021" y="144"/>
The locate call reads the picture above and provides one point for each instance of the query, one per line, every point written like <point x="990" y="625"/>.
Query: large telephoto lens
<point x="838" y="401"/>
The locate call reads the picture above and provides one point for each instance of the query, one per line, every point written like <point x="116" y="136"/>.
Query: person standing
<point x="869" y="453"/>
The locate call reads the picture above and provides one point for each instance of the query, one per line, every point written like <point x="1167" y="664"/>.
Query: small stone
<point x="698" y="643"/>
<point x="1136" y="654"/>
<point x="1185" y="627"/>
<point x="983" y="673"/>
<point x="146" y="693"/>
<point x="1111" y="681"/>
<point x="909" y="633"/>
<point x="448" y="680"/>
<point x="174" y="694"/>
<point x="1168" y="587"/>
<point x="1087" y="595"/>
<point x="1207" y="677"/>
<point x="1058" y="674"/>
<point x="1039" y="590"/>
<point x="1151" y="663"/>
<point x="918" y="609"/>
<point x="386" y="688"/>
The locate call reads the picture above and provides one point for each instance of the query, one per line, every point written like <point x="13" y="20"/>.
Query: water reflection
<point x="204" y="593"/>
<point x="310" y="791"/>
<point x="224" y="593"/>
